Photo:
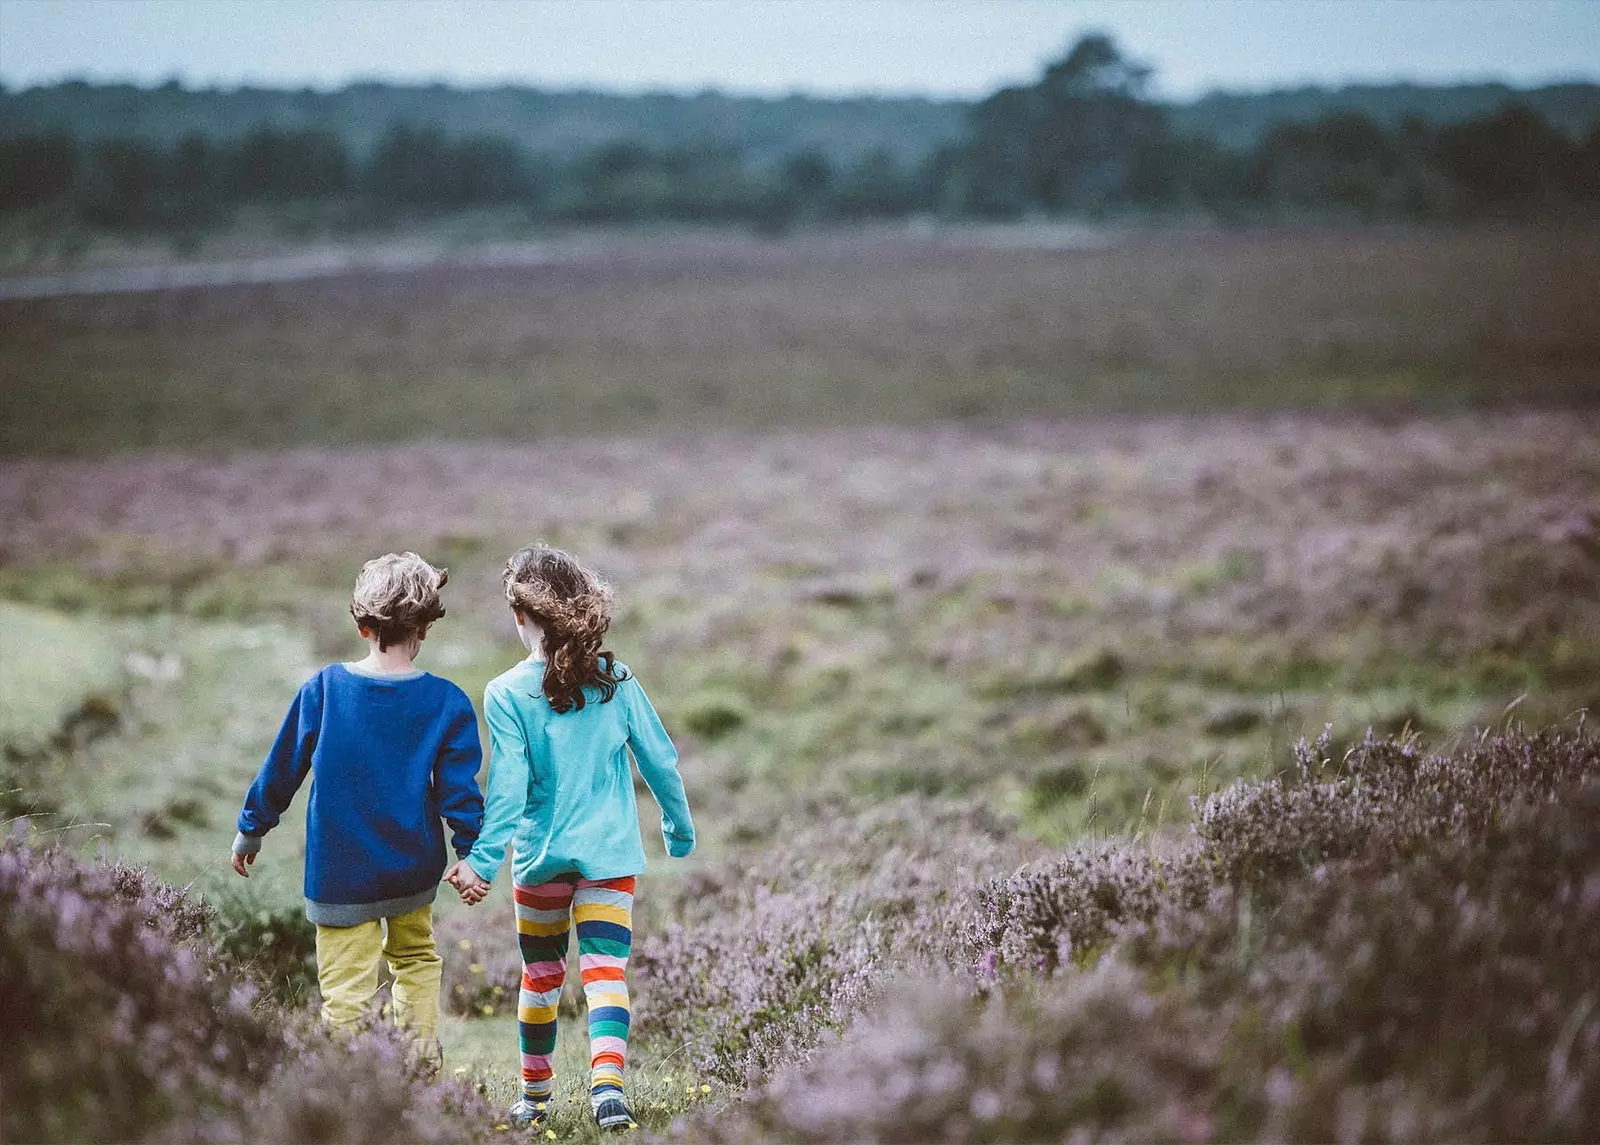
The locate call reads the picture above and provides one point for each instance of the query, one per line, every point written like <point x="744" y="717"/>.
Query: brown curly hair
<point x="573" y="606"/>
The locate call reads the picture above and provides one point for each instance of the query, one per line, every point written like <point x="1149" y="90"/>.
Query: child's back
<point x="388" y="755"/>
<point x="569" y="776"/>
<point x="390" y="750"/>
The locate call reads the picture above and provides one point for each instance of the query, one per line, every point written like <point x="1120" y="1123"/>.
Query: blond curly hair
<point x="396" y="596"/>
<point x="572" y="604"/>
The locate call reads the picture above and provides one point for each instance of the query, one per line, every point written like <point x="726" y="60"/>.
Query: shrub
<point x="713" y="717"/>
<point x="1396" y="945"/>
<point x="777" y="948"/>
<point x="123" y="1023"/>
<point x="117" y="1021"/>
<point x="269" y="940"/>
<point x="1097" y="1053"/>
<point x="364" y="1088"/>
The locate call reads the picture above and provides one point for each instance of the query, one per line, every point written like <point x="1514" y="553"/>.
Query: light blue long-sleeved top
<point x="560" y="788"/>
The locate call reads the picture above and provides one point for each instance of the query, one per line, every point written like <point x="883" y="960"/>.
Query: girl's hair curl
<point x="573" y="606"/>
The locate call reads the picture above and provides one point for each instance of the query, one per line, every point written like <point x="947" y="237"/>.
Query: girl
<point x="561" y="792"/>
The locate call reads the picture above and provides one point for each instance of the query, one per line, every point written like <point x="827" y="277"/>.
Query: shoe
<point x="525" y="1114"/>
<point x="613" y="1113"/>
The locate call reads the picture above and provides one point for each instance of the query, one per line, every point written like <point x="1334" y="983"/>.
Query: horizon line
<point x="687" y="91"/>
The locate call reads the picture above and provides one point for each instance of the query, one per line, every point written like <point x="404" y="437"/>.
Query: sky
<point x="942" y="48"/>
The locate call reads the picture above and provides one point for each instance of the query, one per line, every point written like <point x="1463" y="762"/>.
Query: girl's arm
<point x="507" y="796"/>
<point x="658" y="763"/>
<point x="455" y="778"/>
<point x="284" y="771"/>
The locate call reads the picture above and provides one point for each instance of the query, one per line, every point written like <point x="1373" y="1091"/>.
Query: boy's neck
<point x="395" y="658"/>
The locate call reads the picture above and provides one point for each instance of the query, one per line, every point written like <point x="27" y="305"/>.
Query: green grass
<point x="659" y="1083"/>
<point x="54" y="669"/>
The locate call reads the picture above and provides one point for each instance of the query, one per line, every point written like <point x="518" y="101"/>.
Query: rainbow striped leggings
<point x="603" y="912"/>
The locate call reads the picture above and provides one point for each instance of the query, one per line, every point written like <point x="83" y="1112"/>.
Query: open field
<point x="907" y="662"/>
<point x="815" y="332"/>
<point x="871" y="611"/>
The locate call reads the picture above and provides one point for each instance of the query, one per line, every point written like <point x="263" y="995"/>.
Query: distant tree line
<point x="1085" y="140"/>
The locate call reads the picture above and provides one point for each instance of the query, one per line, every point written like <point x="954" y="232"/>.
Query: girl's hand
<point x="239" y="862"/>
<point x="469" y="886"/>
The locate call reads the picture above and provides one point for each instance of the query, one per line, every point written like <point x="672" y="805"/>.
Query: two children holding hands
<point x="393" y="750"/>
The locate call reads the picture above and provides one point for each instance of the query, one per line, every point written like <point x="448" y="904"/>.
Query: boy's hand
<point x="469" y="886"/>
<point x="240" y="861"/>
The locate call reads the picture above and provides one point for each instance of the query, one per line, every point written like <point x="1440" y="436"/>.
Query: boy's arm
<point x="283" y="771"/>
<point x="507" y="796"/>
<point x="455" y="778"/>
<point x="658" y="763"/>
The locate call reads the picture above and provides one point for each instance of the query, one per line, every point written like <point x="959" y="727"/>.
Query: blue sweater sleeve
<point x="658" y="763"/>
<point x="507" y="798"/>
<point x="286" y="764"/>
<point x="455" y="778"/>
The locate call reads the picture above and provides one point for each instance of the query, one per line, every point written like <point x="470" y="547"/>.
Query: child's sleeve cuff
<point x="246" y="844"/>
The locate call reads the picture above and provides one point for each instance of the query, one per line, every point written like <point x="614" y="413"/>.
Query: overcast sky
<point x="933" y="47"/>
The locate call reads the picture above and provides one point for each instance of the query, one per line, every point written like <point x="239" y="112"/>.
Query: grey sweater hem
<point x="356" y="913"/>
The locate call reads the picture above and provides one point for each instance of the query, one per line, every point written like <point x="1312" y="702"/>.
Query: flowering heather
<point x="122" y="1024"/>
<point x="1395" y="945"/>
<point x="117" y="1021"/>
<point x="782" y="946"/>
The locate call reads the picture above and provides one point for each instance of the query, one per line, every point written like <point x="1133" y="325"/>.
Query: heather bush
<point x="117" y="1020"/>
<point x="122" y="1022"/>
<point x="1393" y="945"/>
<point x="367" y="1088"/>
<point x="1093" y="1055"/>
<point x="778" y="947"/>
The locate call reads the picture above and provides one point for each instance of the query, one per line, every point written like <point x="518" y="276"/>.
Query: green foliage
<point x="267" y="937"/>
<point x="713" y="717"/>
<point x="1085" y="139"/>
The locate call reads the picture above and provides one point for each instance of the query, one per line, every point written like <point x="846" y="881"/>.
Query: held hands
<point x="468" y="885"/>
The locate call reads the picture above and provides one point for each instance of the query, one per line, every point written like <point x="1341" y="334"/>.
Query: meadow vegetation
<point x="722" y="333"/>
<point x="990" y="723"/>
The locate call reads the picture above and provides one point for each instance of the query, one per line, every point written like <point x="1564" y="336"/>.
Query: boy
<point x="390" y="749"/>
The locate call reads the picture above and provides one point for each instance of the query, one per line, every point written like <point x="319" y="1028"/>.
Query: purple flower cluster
<point x="117" y="1021"/>
<point x="770" y="953"/>
<point x="1394" y="944"/>
<point x="122" y="1023"/>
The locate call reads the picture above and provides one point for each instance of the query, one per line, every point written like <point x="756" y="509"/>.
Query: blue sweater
<point x="560" y="785"/>
<point x="387" y="757"/>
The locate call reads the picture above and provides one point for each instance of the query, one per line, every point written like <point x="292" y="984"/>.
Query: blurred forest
<point x="1085" y="140"/>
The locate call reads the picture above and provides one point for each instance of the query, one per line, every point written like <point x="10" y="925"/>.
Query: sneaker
<point x="527" y="1113"/>
<point x="613" y="1113"/>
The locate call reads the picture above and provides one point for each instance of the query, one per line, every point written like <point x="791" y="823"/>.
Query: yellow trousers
<point x="347" y="972"/>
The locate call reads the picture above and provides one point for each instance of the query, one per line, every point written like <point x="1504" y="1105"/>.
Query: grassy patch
<point x="661" y="1086"/>
<point x="62" y="679"/>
